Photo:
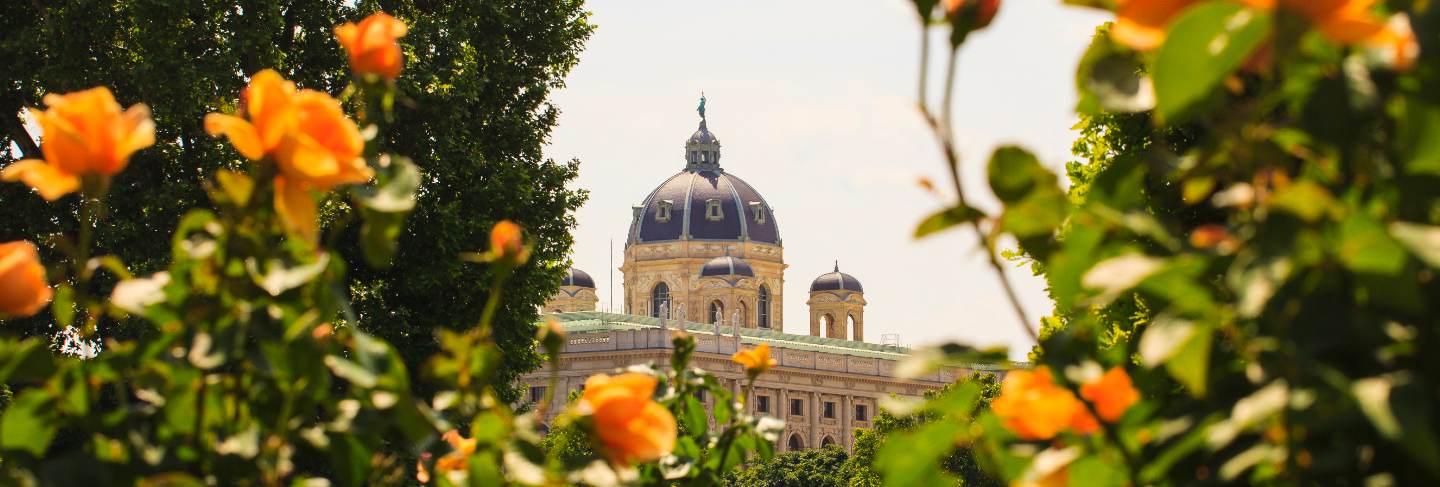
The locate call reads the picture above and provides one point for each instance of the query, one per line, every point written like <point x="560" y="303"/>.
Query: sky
<point x="815" y="108"/>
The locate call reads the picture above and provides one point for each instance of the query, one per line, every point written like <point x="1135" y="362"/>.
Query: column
<point x="783" y="412"/>
<point x="847" y="409"/>
<point x="814" y="419"/>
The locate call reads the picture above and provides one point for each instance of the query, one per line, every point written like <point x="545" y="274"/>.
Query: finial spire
<point x="837" y="265"/>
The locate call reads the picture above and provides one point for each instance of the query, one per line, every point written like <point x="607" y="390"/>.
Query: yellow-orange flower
<point x="1112" y="394"/>
<point x="459" y="456"/>
<point x="1141" y="24"/>
<point x="756" y="360"/>
<point x="1035" y="408"/>
<point x="313" y="143"/>
<point x="84" y="133"/>
<point x="23" y="289"/>
<point x="507" y="243"/>
<point x="372" y="45"/>
<point x="630" y="426"/>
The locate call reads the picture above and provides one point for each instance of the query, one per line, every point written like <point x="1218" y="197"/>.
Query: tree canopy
<point x="475" y="118"/>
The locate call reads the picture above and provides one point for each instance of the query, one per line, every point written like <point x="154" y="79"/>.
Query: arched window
<point x="850" y="326"/>
<point x="659" y="297"/>
<point x="744" y="315"/>
<point x="827" y="323"/>
<point x="795" y="443"/>
<point x="827" y="442"/>
<point x="717" y="312"/>
<point x="762" y="306"/>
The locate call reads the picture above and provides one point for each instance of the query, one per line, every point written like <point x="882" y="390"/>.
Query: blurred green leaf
<point x="944" y="219"/>
<point x="395" y="191"/>
<point x="694" y="415"/>
<point x="1304" y="199"/>
<point x="1190" y="365"/>
<point x="28" y="423"/>
<point x="1201" y="48"/>
<point x="1111" y="79"/>
<point x="912" y="458"/>
<point x="278" y="276"/>
<point x="1366" y="247"/>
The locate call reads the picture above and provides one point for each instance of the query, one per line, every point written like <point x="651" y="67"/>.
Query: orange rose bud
<point x="983" y="11"/>
<point x="1112" y="394"/>
<point x="84" y="133"/>
<point x="507" y="243"/>
<point x="1209" y="235"/>
<point x="23" y="288"/>
<point x="1035" y="408"/>
<point x="1141" y="24"/>
<point x="372" y="45"/>
<point x="756" y="360"/>
<point x="630" y="426"/>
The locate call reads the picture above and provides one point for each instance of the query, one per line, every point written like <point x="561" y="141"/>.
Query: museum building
<point x="704" y="255"/>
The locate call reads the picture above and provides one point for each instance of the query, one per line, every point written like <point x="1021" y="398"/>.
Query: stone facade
<point x="823" y="388"/>
<point x="677" y="264"/>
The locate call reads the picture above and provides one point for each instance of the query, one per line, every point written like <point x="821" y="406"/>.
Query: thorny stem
<point x="943" y="130"/>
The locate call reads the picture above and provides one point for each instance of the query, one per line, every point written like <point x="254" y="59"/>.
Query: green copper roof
<point x="595" y="321"/>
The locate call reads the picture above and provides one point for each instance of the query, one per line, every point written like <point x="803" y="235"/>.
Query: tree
<point x="859" y="469"/>
<point x="478" y="78"/>
<point x="815" y="467"/>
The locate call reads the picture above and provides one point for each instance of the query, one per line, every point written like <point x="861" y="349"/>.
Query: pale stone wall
<point x="812" y="377"/>
<point x="571" y="298"/>
<point x="678" y="263"/>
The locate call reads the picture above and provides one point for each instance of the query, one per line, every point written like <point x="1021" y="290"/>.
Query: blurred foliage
<point x="1250" y="234"/>
<point x="818" y="467"/>
<point x="475" y="117"/>
<point x="959" y="463"/>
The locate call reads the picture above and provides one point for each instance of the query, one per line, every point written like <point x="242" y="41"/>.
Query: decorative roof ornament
<point x="702" y="149"/>
<point x="701" y="108"/>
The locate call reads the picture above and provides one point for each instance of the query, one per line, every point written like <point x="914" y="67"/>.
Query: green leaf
<point x="28" y="423"/>
<point x="1092" y="471"/>
<point x="395" y="191"/>
<point x="351" y="371"/>
<point x="63" y="307"/>
<point x="1366" y="247"/>
<point x="913" y="458"/>
<point x="1190" y="365"/>
<point x="696" y="421"/>
<point x="1202" y="47"/>
<point x="1111" y="79"/>
<point x="1014" y="173"/>
<point x="1163" y="339"/>
<point x="944" y="219"/>
<point x="1420" y="137"/>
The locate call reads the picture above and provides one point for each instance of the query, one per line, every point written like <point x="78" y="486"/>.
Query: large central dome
<point x="703" y="202"/>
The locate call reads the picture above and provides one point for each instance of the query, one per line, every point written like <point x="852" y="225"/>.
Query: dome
<point x="577" y="277"/>
<point x="836" y="281"/>
<point x="703" y="202"/>
<point x="726" y="266"/>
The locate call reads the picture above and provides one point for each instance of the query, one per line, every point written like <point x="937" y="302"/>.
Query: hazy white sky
<point x="815" y="108"/>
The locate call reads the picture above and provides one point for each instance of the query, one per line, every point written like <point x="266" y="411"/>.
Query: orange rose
<point x="507" y="243"/>
<point x="372" y="46"/>
<point x="1141" y="24"/>
<point x="459" y="457"/>
<point x="1112" y="394"/>
<point x="84" y="133"/>
<point x="1035" y="408"/>
<point x="756" y="360"/>
<point x="314" y="144"/>
<point x="630" y="426"/>
<point x="23" y="289"/>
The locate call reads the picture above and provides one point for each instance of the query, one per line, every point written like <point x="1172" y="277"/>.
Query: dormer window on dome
<point x="662" y="211"/>
<point x="714" y="211"/>
<point x="758" y="210"/>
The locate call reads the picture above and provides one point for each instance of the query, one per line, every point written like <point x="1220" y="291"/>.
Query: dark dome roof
<point x="577" y="277"/>
<point x="679" y="209"/>
<point x="836" y="281"/>
<point x="727" y="266"/>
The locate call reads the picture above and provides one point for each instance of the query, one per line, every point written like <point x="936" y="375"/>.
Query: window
<point x="717" y="312"/>
<point x="758" y="211"/>
<point x="662" y="211"/>
<point x="828" y="441"/>
<point x="659" y="298"/>
<point x="713" y="210"/>
<point x="744" y="315"/>
<point x="700" y="395"/>
<point x="795" y="443"/>
<point x="797" y="407"/>
<point x="694" y="156"/>
<point x="829" y="409"/>
<point x="537" y="393"/>
<point x="762" y="404"/>
<point x="762" y="305"/>
<point x="860" y="413"/>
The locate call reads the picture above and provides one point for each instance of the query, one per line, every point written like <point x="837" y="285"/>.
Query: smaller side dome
<point x="836" y="281"/>
<point x="577" y="277"/>
<point x="726" y="266"/>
